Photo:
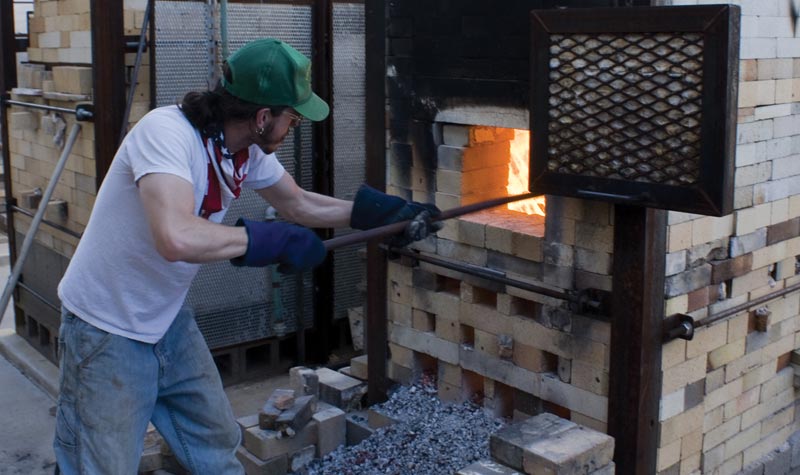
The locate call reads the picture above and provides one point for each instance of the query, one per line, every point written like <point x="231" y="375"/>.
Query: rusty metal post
<point x="375" y="133"/>
<point x="637" y="312"/>
<point x="322" y="151"/>
<point x="108" y="79"/>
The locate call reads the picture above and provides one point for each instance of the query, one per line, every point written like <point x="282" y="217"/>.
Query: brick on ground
<point x="304" y="381"/>
<point x="246" y="422"/>
<point x="298" y="415"/>
<point x="266" y="444"/>
<point x="378" y="418"/>
<point x="549" y="444"/>
<point x="339" y="390"/>
<point x="269" y="413"/>
<point x="357" y="427"/>
<point x="255" y="466"/>
<point x="301" y="458"/>
<point x="487" y="467"/>
<point x="358" y="367"/>
<point x="331" y="428"/>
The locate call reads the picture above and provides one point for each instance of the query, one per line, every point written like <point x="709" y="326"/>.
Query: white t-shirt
<point x="116" y="280"/>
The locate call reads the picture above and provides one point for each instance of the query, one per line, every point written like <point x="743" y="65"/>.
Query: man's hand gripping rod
<point x="394" y="228"/>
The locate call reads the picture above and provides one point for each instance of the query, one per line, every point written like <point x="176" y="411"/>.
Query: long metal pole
<point x="394" y="228"/>
<point x="37" y="219"/>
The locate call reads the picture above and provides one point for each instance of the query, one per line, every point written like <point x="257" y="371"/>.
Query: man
<point x="129" y="353"/>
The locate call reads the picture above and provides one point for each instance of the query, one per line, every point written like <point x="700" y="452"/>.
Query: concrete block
<point x="549" y="444"/>
<point x="339" y="390"/>
<point x="72" y="79"/>
<point x="255" y="466"/>
<point x="301" y="458"/>
<point x="487" y="467"/>
<point x="357" y="427"/>
<point x="266" y="444"/>
<point x="247" y="422"/>
<point x="298" y="415"/>
<point x="151" y="459"/>
<point x="508" y="445"/>
<point x="574" y="451"/>
<point x="304" y="380"/>
<point x="331" y="429"/>
<point x="358" y="367"/>
<point x="378" y="418"/>
<point x="609" y="469"/>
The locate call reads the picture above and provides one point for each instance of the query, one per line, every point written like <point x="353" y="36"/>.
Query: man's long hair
<point x="209" y="110"/>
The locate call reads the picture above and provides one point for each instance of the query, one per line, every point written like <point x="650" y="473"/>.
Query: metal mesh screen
<point x="183" y="49"/>
<point x="636" y="105"/>
<point x="348" y="141"/>
<point x="626" y="106"/>
<point x="236" y="305"/>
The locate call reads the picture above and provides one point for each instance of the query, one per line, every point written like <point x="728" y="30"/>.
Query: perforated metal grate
<point x="626" y="106"/>
<point x="237" y="305"/>
<point x="348" y="141"/>
<point x="183" y="49"/>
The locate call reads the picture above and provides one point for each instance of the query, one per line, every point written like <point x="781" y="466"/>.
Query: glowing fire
<point x="518" y="175"/>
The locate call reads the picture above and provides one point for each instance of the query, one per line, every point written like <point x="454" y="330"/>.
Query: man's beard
<point x="263" y="142"/>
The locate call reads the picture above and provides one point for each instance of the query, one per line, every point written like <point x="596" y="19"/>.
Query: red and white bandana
<point x="226" y="172"/>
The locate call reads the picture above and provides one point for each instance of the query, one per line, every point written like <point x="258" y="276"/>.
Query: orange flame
<point x="518" y="175"/>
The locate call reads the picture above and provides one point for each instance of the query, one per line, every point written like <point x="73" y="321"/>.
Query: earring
<point x="260" y="131"/>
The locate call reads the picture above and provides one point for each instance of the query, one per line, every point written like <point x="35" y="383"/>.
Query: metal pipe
<point x="394" y="228"/>
<point x="39" y="297"/>
<point x="37" y="219"/>
<point x="53" y="225"/>
<point x="485" y="273"/>
<point x="710" y="320"/>
<point x="41" y="106"/>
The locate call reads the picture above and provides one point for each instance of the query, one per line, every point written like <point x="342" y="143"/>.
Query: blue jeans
<point x="111" y="386"/>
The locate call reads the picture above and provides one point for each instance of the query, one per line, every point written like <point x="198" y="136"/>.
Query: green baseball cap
<point x="269" y="72"/>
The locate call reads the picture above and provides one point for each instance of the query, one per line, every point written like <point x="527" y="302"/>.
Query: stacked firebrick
<point x="58" y="72"/>
<point x="728" y="401"/>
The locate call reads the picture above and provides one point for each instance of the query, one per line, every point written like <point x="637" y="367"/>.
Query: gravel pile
<point x="432" y="437"/>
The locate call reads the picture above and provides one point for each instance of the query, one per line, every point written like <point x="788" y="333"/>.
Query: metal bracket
<point x="84" y="112"/>
<point x="682" y="326"/>
<point x="595" y="302"/>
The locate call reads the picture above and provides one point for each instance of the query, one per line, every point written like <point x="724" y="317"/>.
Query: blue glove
<point x="371" y="209"/>
<point x="294" y="248"/>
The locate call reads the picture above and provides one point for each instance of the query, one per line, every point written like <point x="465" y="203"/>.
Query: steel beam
<point x="322" y="153"/>
<point x="375" y="314"/>
<point x="8" y="81"/>
<point x="108" y="79"/>
<point x="637" y="312"/>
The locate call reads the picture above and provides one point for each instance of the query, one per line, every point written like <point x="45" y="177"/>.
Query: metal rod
<point x="37" y="219"/>
<point x="135" y="77"/>
<point x="61" y="228"/>
<point x="711" y="319"/>
<point x="39" y="297"/>
<point x="394" y="228"/>
<point x="484" y="273"/>
<point x="41" y="106"/>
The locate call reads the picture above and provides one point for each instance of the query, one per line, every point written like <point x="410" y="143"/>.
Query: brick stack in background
<point x="58" y="73"/>
<point x="728" y="396"/>
<point x="728" y="399"/>
<point x="512" y="350"/>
